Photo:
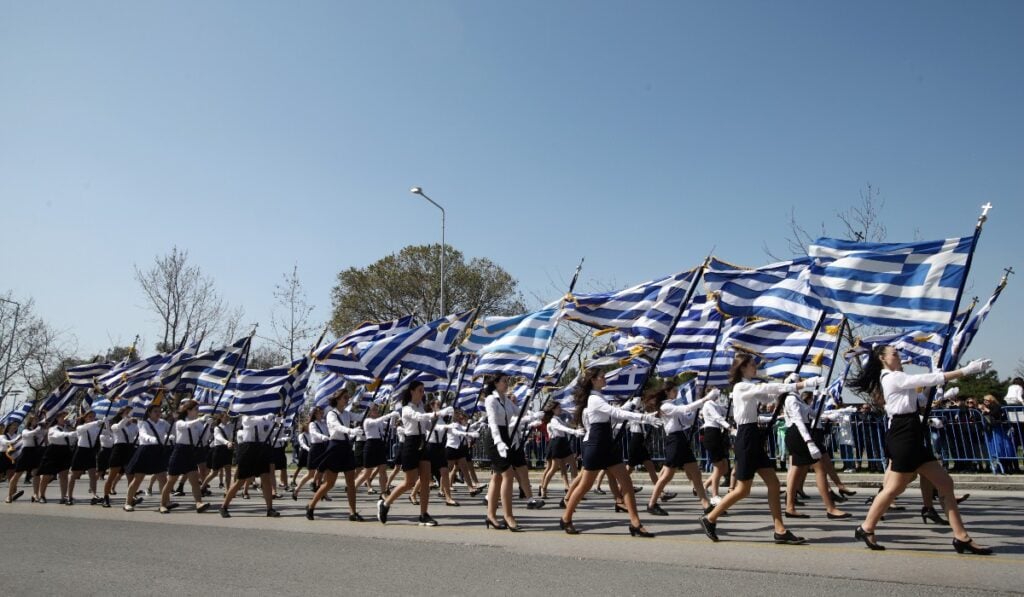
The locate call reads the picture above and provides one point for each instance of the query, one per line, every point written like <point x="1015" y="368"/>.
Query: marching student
<point x="301" y="444"/>
<point x="32" y="438"/>
<point x="148" y="458"/>
<point x="437" y="440"/>
<point x="9" y="445"/>
<point x="87" y="430"/>
<point x="804" y="453"/>
<point x="56" y="458"/>
<point x="103" y="454"/>
<point x="188" y="430"/>
<point x="599" y="450"/>
<point x="910" y="454"/>
<point x="751" y="457"/>
<point x="375" y="453"/>
<point x="716" y="442"/>
<point x="125" y="432"/>
<point x="318" y="440"/>
<point x="222" y="448"/>
<point x="501" y="413"/>
<point x="254" y="461"/>
<point x="456" y="449"/>
<point x="680" y="421"/>
<point x="279" y="458"/>
<point x="414" y="458"/>
<point x="636" y="442"/>
<point x="559" y="452"/>
<point x="339" y="457"/>
<point x="395" y="459"/>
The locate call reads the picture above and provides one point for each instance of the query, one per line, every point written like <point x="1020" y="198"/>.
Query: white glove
<point x="579" y="432"/>
<point x="951" y="393"/>
<point x="792" y="377"/>
<point x="976" y="366"/>
<point x="813" y="449"/>
<point x="650" y="419"/>
<point x="473" y="435"/>
<point x="712" y="395"/>
<point x="444" y="412"/>
<point x="502" y="449"/>
<point x="812" y="382"/>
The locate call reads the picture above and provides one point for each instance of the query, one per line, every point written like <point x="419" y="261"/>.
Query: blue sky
<point x="258" y="135"/>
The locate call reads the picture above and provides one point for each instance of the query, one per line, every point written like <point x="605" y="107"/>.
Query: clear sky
<point x="258" y="135"/>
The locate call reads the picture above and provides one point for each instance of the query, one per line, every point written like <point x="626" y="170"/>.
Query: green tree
<point x="977" y="386"/>
<point x="408" y="282"/>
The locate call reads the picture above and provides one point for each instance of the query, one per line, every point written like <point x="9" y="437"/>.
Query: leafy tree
<point x="977" y="386"/>
<point x="408" y="282"/>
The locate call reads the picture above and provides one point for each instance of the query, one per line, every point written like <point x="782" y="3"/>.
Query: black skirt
<point x="750" y="454"/>
<point x="375" y="453"/>
<point x="797" y="447"/>
<point x="103" y="458"/>
<point x="359" y="451"/>
<point x="515" y="458"/>
<point x="452" y="454"/>
<point x="279" y="458"/>
<point x="716" y="442"/>
<point x="316" y="454"/>
<point x="56" y="458"/>
<point x="202" y="455"/>
<point x="29" y="459"/>
<point x="302" y="461"/>
<point x="905" y="443"/>
<point x="121" y="455"/>
<point x="438" y="457"/>
<point x="338" y="458"/>
<point x="147" y="460"/>
<point x="253" y="460"/>
<point x="220" y="456"/>
<point x="413" y="451"/>
<point x="637" y="449"/>
<point x="600" y="450"/>
<point x="559" y="447"/>
<point x="183" y="460"/>
<point x="84" y="459"/>
<point x="677" y="449"/>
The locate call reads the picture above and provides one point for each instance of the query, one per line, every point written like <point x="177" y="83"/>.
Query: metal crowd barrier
<point x="963" y="440"/>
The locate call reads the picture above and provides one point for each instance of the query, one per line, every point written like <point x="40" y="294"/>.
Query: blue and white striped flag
<point x="56" y="401"/>
<point x="117" y="374"/>
<point x="554" y="375"/>
<point x="902" y="285"/>
<point x="963" y="338"/>
<point x="777" y="291"/>
<point x="142" y="376"/>
<point x="528" y="333"/>
<point x="141" y="403"/>
<point x="773" y="340"/>
<point x="699" y="362"/>
<point x="215" y="375"/>
<point x="379" y="356"/>
<point x="434" y="354"/>
<point x="781" y="368"/>
<point x="513" y="365"/>
<point x="340" y="356"/>
<point x="564" y="396"/>
<point x="695" y="333"/>
<point x="83" y="376"/>
<point x="329" y="385"/>
<point x="264" y="391"/>
<point x="469" y="395"/>
<point x="104" y="407"/>
<point x="169" y="377"/>
<point x="17" y="415"/>
<point x="624" y="381"/>
<point x="644" y="311"/>
<point x="917" y="347"/>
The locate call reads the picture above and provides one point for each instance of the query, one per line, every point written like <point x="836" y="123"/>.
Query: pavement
<point x="89" y="550"/>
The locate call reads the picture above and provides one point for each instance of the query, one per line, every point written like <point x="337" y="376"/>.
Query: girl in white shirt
<point x="804" y="453"/>
<point x="125" y="431"/>
<point x="188" y="430"/>
<point x="56" y="458"/>
<point x="339" y="457"/>
<point x="559" y="453"/>
<point x="906" y="441"/>
<point x="318" y="438"/>
<point x="32" y="438"/>
<point x="375" y="452"/>
<point x="84" y="459"/>
<point x="148" y="458"/>
<point x="680" y="425"/>
<point x="716" y="442"/>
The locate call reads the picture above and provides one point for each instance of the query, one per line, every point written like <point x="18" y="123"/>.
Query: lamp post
<point x="419" y="191"/>
<point x="10" y="346"/>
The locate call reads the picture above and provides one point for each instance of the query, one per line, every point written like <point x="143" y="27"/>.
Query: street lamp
<point x="419" y="191"/>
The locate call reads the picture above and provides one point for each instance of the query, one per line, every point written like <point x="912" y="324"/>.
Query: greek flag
<point x="260" y="391"/>
<point x="17" y="415"/>
<point x="433" y="354"/>
<point x="773" y="340"/>
<point x="687" y="392"/>
<point x="142" y="376"/>
<point x="364" y="332"/>
<point x="512" y="365"/>
<point x="83" y="376"/>
<point x="695" y="333"/>
<point x="56" y="401"/>
<point x="778" y="291"/>
<point x="142" y="402"/>
<point x="469" y="395"/>
<point x="105" y="407"/>
<point x="834" y="391"/>
<point x="214" y="375"/>
<point x="920" y="348"/>
<point x="902" y="285"/>
<point x="644" y="311"/>
<point x="564" y="396"/>
<point x="624" y="381"/>
<point x="329" y="385"/>
<point x="171" y="371"/>
<point x="117" y="374"/>
<point x="781" y="368"/>
<point x="699" y="362"/>
<point x="379" y="356"/>
<point x="963" y="338"/>
<point x="528" y="333"/>
<point x="554" y="375"/>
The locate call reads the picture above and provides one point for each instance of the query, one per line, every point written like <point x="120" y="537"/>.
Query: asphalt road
<point x="85" y="550"/>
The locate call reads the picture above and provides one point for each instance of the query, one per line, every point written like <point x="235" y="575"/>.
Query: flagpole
<point x="280" y="427"/>
<point x="831" y="369"/>
<point x="956" y="304"/>
<point x="707" y="372"/>
<point x="234" y="367"/>
<point x="514" y="433"/>
<point x="799" y="365"/>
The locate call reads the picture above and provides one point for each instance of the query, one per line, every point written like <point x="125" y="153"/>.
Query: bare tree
<point x="862" y="222"/>
<point x="290" y="317"/>
<point x="1019" y="371"/>
<point x="29" y="347"/>
<point x="185" y="300"/>
<point x="232" y="324"/>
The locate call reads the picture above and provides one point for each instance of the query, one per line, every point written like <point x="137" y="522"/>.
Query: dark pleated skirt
<point x="279" y="458"/>
<point x="55" y="459"/>
<point x="797" y="447"/>
<point x="678" y="452"/>
<point x="637" y="449"/>
<point x="253" y="460"/>
<point x="375" y="453"/>
<point x="600" y="450"/>
<point x="438" y="457"/>
<point x="103" y="458"/>
<point x="83" y="459"/>
<point x="338" y="458"/>
<point x="749" y="450"/>
<point x="559" y="447"/>
<point x="220" y="456"/>
<point x="716" y="442"/>
<point x="29" y="459"/>
<point x="183" y="460"/>
<point x="147" y="460"/>
<point x="121" y="455"/>
<point x="905" y="443"/>
<point x="413" y="451"/>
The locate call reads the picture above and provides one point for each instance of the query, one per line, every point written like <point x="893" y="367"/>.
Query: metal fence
<point x="964" y="440"/>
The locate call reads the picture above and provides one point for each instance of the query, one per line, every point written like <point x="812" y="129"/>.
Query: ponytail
<point x="869" y="380"/>
<point x="490" y="384"/>
<point x="582" y="392"/>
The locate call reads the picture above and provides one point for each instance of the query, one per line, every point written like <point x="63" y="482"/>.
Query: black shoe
<point x="600" y="491"/>
<point x="968" y="546"/>
<point x="638" y="488"/>
<point x="426" y="520"/>
<point x="535" y="504"/>
<point x="847" y="492"/>
<point x="800" y="493"/>
<point x="709" y="527"/>
<point x="667" y="496"/>
<point x="68" y="501"/>
<point x="475" y="492"/>
<point x="178" y="493"/>
<point x="868" y="539"/>
<point x="656" y="510"/>
<point x="514" y="529"/>
<point x="522" y="494"/>
<point x="842" y="516"/>
<point x="836" y="497"/>
<point x="382" y="511"/>
<point x="172" y="505"/>
<point x="620" y="508"/>
<point x="795" y="515"/>
<point x="929" y="514"/>
<point x="567" y="527"/>
<point x="798" y="503"/>
<point x="272" y="513"/>
<point x="963" y="499"/>
<point x="309" y="513"/>
<point x="498" y="526"/>
<point x="202" y="507"/>
<point x="106" y="501"/>
<point x="137" y="500"/>
<point x="561" y="503"/>
<point x="709" y="509"/>
<point x="356" y="517"/>
<point x="224" y="512"/>
<point x="788" y="538"/>
<point x="17" y="494"/>
<point x="639" y="531"/>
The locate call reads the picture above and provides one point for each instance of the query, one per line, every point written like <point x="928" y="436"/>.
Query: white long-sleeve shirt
<point x="746" y="395"/>
<point x="153" y="434"/>
<point x="222" y="434"/>
<point x="318" y="433"/>
<point x="187" y="433"/>
<point x="501" y="412"/>
<point x="31" y="438"/>
<point x="87" y="433"/>
<point x="58" y="437"/>
<point x="414" y="420"/>
<point x="125" y="431"/>
<point x="374" y="428"/>
<point x="599" y="411"/>
<point x="900" y="390"/>
<point x="457" y="434"/>
<point x="281" y="439"/>
<point x="304" y="441"/>
<point x="798" y="413"/>
<point x="106" y="437"/>
<point x="680" y="417"/>
<point x="341" y="425"/>
<point x="557" y="428"/>
<point x="713" y="414"/>
<point x="256" y="428"/>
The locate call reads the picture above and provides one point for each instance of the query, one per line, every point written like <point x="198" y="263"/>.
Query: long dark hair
<point x="407" y="394"/>
<point x="738" y="363"/>
<point x="584" y="386"/>
<point x="333" y="400"/>
<point x="869" y="379"/>
<point x="490" y="384"/>
<point x="549" y="412"/>
<point x="185" y="407"/>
